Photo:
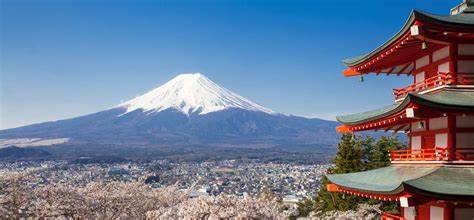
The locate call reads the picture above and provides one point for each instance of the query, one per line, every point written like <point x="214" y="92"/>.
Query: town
<point x="290" y="182"/>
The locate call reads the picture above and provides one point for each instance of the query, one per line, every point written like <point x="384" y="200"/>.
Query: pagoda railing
<point x="434" y="154"/>
<point x="388" y="216"/>
<point x="440" y="79"/>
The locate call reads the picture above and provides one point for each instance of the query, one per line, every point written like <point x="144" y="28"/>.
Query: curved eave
<point x="446" y="99"/>
<point x="461" y="21"/>
<point x="374" y="115"/>
<point x="443" y="196"/>
<point x="381" y="181"/>
<point x="450" y="183"/>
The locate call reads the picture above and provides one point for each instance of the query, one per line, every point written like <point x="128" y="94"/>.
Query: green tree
<point x="378" y="154"/>
<point x="349" y="158"/>
<point x="355" y="153"/>
<point x="349" y="155"/>
<point x="306" y="206"/>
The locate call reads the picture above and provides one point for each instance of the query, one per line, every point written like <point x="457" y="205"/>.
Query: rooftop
<point x="445" y="99"/>
<point x="444" y="181"/>
<point x="459" y="21"/>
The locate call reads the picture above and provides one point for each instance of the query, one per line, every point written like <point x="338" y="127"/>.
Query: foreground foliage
<point x="355" y="153"/>
<point x="118" y="200"/>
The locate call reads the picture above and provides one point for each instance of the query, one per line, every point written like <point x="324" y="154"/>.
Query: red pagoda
<point x="434" y="178"/>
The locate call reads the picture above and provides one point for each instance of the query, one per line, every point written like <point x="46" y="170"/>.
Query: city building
<point x="434" y="178"/>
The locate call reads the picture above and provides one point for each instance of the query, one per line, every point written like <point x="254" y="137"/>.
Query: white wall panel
<point x="465" y="66"/>
<point x="416" y="142"/>
<point x="422" y="61"/>
<point x="465" y="121"/>
<point x="409" y="213"/>
<point x="466" y="49"/>
<point x="438" y="123"/>
<point x="436" y="213"/>
<point x="443" y="68"/>
<point x="441" y="140"/>
<point x="464" y="213"/>
<point x="465" y="140"/>
<point x="441" y="53"/>
<point x="420" y="77"/>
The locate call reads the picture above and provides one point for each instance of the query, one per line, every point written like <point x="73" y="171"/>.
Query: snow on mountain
<point x="191" y="93"/>
<point x="31" y="142"/>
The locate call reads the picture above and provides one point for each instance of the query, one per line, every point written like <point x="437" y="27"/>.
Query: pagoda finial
<point x="467" y="6"/>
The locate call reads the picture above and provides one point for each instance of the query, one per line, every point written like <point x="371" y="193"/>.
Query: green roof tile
<point x="439" y="180"/>
<point x="445" y="99"/>
<point x="447" y="181"/>
<point x="448" y="98"/>
<point x="387" y="180"/>
<point x="359" y="117"/>
<point x="464" y="21"/>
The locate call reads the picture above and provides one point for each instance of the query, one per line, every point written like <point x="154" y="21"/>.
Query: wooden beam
<point x="388" y="128"/>
<point x="350" y="72"/>
<point x="333" y="188"/>
<point x="343" y="129"/>
<point x="428" y="36"/>
<point x="405" y="67"/>
<point x="400" y="128"/>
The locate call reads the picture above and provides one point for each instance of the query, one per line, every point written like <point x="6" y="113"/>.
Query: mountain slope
<point x="189" y="110"/>
<point x="14" y="153"/>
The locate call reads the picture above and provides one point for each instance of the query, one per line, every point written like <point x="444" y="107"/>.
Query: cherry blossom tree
<point x="122" y="200"/>
<point x="15" y="195"/>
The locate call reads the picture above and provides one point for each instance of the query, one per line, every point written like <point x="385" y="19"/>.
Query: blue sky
<point x="60" y="59"/>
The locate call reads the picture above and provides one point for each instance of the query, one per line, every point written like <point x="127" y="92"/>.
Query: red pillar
<point x="451" y="136"/>
<point x="453" y="67"/>
<point x="423" y="212"/>
<point x="449" y="212"/>
<point x="453" y="61"/>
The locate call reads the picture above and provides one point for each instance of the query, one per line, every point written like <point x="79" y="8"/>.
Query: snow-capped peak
<point x="191" y="93"/>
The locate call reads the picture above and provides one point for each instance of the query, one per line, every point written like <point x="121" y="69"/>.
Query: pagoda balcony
<point x="389" y="216"/>
<point x="441" y="79"/>
<point x="435" y="154"/>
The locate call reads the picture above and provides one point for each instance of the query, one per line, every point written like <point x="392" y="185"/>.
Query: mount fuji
<point x="191" y="93"/>
<point x="189" y="110"/>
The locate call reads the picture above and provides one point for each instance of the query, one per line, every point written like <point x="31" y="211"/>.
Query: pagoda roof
<point x="463" y="21"/>
<point x="443" y="181"/>
<point x="444" y="99"/>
